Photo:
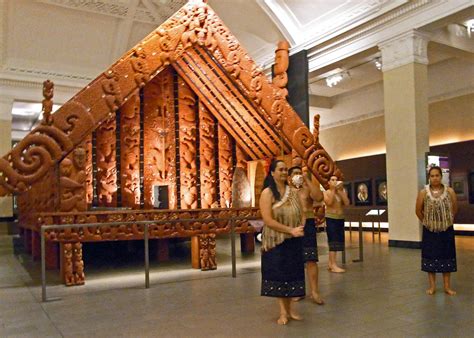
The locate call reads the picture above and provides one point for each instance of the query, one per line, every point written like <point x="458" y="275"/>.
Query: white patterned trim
<point x="403" y="49"/>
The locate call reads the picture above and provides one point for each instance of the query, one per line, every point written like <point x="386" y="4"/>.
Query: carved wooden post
<point x="67" y="270"/>
<point x="130" y="152"/>
<point x="207" y="156"/>
<point x="160" y="144"/>
<point x="225" y="167"/>
<point x="72" y="187"/>
<point x="78" y="264"/>
<point x="159" y="138"/>
<point x="106" y="163"/>
<point x="187" y="146"/>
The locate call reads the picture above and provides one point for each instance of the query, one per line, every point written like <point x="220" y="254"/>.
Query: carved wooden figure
<point x="282" y="61"/>
<point x="48" y="93"/>
<point x="187" y="105"/>
<point x="207" y="252"/>
<point x="78" y="264"/>
<point x="159" y="137"/>
<point x="72" y="181"/>
<point x="67" y="264"/>
<point x="130" y="152"/>
<point x="207" y="156"/>
<point x="106" y="179"/>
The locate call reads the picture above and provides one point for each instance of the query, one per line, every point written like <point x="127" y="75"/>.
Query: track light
<point x="333" y="80"/>
<point x="378" y="63"/>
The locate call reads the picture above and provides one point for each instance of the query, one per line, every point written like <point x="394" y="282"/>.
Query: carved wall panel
<point x="160" y="138"/>
<point x="72" y="181"/>
<point x="187" y="105"/>
<point x="225" y="167"/>
<point x="207" y="156"/>
<point x="130" y="152"/>
<point x="106" y="178"/>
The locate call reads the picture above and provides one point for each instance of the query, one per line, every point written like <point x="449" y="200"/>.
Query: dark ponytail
<point x="269" y="181"/>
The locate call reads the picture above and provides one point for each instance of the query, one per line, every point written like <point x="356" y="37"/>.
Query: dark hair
<point x="435" y="167"/>
<point x="296" y="167"/>
<point x="269" y="181"/>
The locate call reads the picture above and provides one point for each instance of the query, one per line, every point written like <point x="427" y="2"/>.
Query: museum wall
<point x="374" y="167"/>
<point x="450" y="121"/>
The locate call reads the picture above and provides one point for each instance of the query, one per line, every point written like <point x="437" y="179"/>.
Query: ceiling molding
<point x="124" y="29"/>
<point x="154" y="12"/>
<point x="38" y="75"/>
<point x="354" y="119"/>
<point x="413" y="14"/>
<point x="118" y="9"/>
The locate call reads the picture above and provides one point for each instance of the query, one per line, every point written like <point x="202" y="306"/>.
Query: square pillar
<point x="405" y="84"/>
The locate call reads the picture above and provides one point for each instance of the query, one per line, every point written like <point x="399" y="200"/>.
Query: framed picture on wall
<point x="381" y="195"/>
<point x="348" y="189"/>
<point x="470" y="181"/>
<point x="460" y="186"/>
<point x="363" y="192"/>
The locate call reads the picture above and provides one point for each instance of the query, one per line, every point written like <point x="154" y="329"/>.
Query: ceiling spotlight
<point x="378" y="63"/>
<point x="470" y="26"/>
<point x="333" y="80"/>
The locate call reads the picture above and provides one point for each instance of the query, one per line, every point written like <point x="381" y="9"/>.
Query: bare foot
<point x="297" y="299"/>
<point x="295" y="316"/>
<point x="450" y="292"/>
<point x="336" y="269"/>
<point x="283" y="320"/>
<point x="430" y="292"/>
<point x="317" y="299"/>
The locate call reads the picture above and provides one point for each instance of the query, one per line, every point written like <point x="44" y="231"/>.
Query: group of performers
<point x="289" y="233"/>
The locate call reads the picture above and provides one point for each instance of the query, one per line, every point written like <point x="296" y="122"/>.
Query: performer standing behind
<point x="309" y="193"/>
<point x="436" y="207"/>
<point x="335" y="199"/>
<point x="282" y="251"/>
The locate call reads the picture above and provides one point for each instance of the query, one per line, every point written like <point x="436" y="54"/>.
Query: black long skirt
<point x="310" y="244"/>
<point x="438" y="251"/>
<point x="335" y="231"/>
<point x="283" y="270"/>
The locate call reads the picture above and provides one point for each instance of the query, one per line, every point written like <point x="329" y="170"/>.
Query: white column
<point x="6" y="105"/>
<point x="405" y="80"/>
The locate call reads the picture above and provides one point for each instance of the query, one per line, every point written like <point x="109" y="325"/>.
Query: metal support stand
<point x="43" y="267"/>
<point x="361" y="245"/>
<point x="147" y="257"/>
<point x="232" y="241"/>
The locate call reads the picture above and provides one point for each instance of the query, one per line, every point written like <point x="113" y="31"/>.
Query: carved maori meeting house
<point x="158" y="136"/>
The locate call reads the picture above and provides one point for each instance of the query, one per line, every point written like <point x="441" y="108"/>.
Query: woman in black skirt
<point x="436" y="206"/>
<point x="282" y="246"/>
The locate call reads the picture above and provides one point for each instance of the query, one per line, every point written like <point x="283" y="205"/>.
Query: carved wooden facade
<point x="180" y="110"/>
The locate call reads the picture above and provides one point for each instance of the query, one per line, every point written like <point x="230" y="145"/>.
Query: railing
<point x="146" y="224"/>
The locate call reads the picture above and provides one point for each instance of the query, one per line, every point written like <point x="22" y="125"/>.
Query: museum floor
<point x="382" y="297"/>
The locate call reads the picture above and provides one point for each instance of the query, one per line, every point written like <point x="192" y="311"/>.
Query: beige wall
<point x="450" y="121"/>
<point x="5" y="146"/>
